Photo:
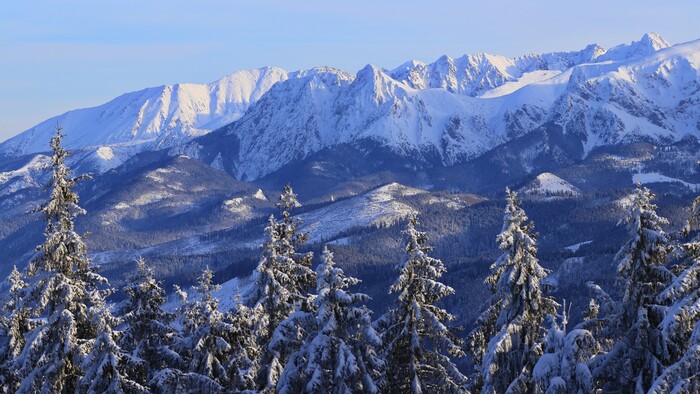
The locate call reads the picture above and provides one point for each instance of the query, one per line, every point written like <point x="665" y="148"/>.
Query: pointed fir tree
<point x="338" y="354"/>
<point x="147" y="337"/>
<point x="417" y="343"/>
<point x="506" y="342"/>
<point x="680" y="327"/>
<point x="14" y="325"/>
<point x="63" y="291"/>
<point x="563" y="368"/>
<point x="205" y="333"/>
<point x="283" y="279"/>
<point x="104" y="366"/>
<point x="637" y="357"/>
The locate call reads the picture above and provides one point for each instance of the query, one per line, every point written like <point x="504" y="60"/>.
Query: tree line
<point x="295" y="329"/>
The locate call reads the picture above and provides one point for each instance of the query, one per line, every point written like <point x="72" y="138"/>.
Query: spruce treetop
<point x="64" y="249"/>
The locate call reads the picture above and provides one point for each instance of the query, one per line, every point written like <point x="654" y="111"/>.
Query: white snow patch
<point x="655" y="177"/>
<point x="169" y="170"/>
<point x="105" y="153"/>
<point x="341" y="241"/>
<point x="237" y="206"/>
<point x="524" y="80"/>
<point x="259" y="195"/>
<point x="151" y="197"/>
<point x="454" y="203"/>
<point x="575" y="247"/>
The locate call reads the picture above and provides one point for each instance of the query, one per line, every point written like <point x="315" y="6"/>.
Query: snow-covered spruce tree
<point x="599" y="318"/>
<point x="242" y="364"/>
<point x="338" y="354"/>
<point x="417" y="343"/>
<point x="63" y="292"/>
<point x="506" y="342"/>
<point x="637" y="357"/>
<point x="681" y="325"/>
<point x="14" y="324"/>
<point x="205" y="333"/>
<point x="563" y="368"/>
<point x="104" y="366"/>
<point x="283" y="279"/>
<point x="147" y="337"/>
<point x="5" y="370"/>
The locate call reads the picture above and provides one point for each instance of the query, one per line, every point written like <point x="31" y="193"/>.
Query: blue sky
<point x="61" y="55"/>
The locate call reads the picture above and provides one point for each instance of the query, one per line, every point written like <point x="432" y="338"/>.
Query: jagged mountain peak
<point x="654" y="40"/>
<point x="376" y="82"/>
<point x="647" y="45"/>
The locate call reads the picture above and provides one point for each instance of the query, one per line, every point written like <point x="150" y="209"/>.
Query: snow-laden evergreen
<point x="599" y="318"/>
<point x="244" y="356"/>
<point x="63" y="292"/>
<point x="681" y="325"/>
<point x="105" y="367"/>
<point x="283" y="279"/>
<point x="147" y="337"/>
<point x="14" y="324"/>
<point x="417" y="343"/>
<point x="637" y="356"/>
<point x="563" y="367"/>
<point x="506" y="342"/>
<point x="339" y="351"/>
<point x="681" y="332"/>
<point x="205" y="333"/>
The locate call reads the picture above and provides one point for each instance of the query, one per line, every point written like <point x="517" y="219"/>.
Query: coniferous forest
<point x="300" y="326"/>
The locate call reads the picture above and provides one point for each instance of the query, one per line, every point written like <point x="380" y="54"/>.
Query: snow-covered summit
<point x="647" y="45"/>
<point x="549" y="186"/>
<point x="154" y="117"/>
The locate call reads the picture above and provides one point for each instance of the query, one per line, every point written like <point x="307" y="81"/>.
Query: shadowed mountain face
<point x="187" y="175"/>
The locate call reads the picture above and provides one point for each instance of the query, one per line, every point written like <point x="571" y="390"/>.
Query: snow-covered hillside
<point x="375" y="208"/>
<point x="24" y="177"/>
<point x="549" y="186"/>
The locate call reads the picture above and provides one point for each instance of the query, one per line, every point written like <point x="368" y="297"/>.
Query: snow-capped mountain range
<point x="185" y="175"/>
<point x="441" y="113"/>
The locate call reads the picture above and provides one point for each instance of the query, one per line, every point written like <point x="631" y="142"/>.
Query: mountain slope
<point x="640" y="94"/>
<point x="155" y="117"/>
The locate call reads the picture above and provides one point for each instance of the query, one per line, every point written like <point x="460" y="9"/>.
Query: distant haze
<point x="58" y="56"/>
